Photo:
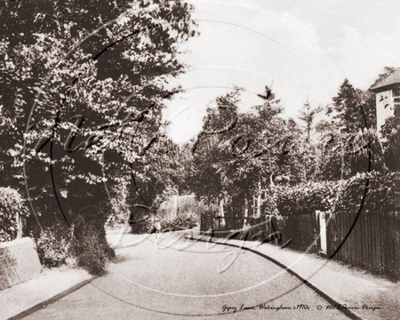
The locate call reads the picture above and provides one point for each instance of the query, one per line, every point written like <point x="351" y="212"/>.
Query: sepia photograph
<point x="199" y="159"/>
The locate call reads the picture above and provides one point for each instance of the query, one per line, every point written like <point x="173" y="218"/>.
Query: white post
<point x="322" y="228"/>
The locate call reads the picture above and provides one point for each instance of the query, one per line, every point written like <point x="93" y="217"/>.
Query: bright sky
<point x="303" y="48"/>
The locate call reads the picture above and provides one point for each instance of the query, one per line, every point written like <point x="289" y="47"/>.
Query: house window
<point x="396" y="95"/>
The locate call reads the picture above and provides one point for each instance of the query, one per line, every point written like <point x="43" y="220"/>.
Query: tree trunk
<point x="222" y="218"/>
<point x="259" y="200"/>
<point x="20" y="225"/>
<point x="246" y="213"/>
<point x="254" y="206"/>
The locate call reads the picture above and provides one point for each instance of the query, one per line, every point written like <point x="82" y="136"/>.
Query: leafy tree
<point x="323" y="127"/>
<point x="391" y="126"/>
<point x="232" y="163"/>
<point x="211" y="150"/>
<point x="391" y="133"/>
<point x="392" y="152"/>
<point x="391" y="139"/>
<point x="105" y="94"/>
<point x="343" y="155"/>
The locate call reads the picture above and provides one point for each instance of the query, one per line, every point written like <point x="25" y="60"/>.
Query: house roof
<point x="392" y="79"/>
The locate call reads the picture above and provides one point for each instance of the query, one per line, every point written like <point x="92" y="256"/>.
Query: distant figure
<point x="157" y="225"/>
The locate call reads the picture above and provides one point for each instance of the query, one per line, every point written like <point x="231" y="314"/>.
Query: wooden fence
<point x="298" y="232"/>
<point x="220" y="228"/>
<point x="373" y="244"/>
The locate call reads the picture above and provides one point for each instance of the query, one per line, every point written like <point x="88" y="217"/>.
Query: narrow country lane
<point x="184" y="281"/>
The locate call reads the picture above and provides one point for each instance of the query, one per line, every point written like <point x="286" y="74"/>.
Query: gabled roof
<point x="392" y="79"/>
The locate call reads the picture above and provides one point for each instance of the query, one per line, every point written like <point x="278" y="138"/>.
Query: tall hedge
<point x="373" y="190"/>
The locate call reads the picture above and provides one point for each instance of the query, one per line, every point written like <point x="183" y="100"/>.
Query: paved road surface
<point x="149" y="282"/>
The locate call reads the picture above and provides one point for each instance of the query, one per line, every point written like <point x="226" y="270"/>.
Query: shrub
<point x="11" y="203"/>
<point x="85" y="242"/>
<point x="340" y="195"/>
<point x="89" y="246"/>
<point x="181" y="222"/>
<point x="392" y="152"/>
<point x="305" y="198"/>
<point x="53" y="245"/>
<point x="381" y="191"/>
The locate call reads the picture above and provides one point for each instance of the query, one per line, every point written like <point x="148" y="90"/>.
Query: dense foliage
<point x="181" y="222"/>
<point x="240" y="155"/>
<point x="236" y="153"/>
<point x="53" y="245"/>
<point x="12" y="208"/>
<point x="379" y="189"/>
<point x="81" y="106"/>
